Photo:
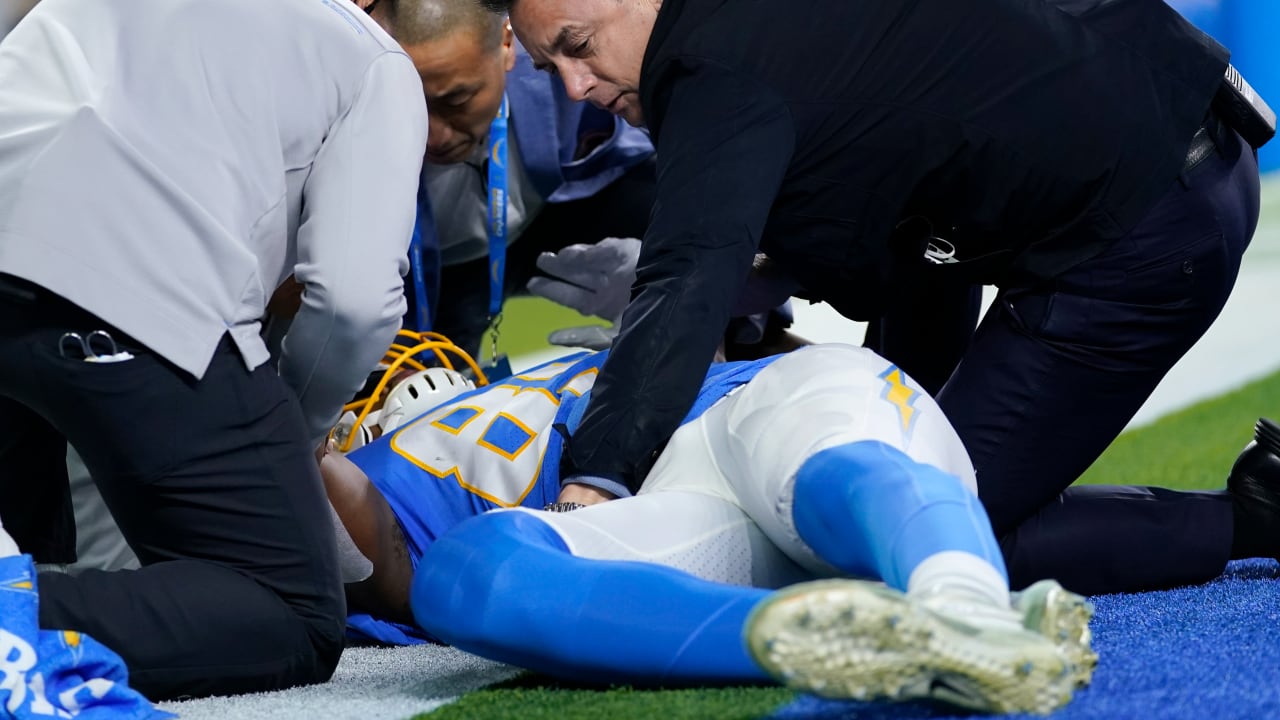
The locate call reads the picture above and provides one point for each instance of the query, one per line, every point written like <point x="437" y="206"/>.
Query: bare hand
<point x="584" y="494"/>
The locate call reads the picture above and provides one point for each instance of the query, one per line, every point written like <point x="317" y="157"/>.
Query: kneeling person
<point x="823" y="463"/>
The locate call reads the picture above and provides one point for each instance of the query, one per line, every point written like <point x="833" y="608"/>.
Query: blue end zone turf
<point x="1201" y="653"/>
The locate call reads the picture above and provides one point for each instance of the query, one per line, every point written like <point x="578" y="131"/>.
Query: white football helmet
<point x="420" y="392"/>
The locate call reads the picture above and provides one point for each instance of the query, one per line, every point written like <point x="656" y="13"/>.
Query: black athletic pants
<point x="1055" y="372"/>
<point x="214" y="484"/>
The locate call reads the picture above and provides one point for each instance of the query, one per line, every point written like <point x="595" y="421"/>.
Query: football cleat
<point x="864" y="641"/>
<point x="1063" y="617"/>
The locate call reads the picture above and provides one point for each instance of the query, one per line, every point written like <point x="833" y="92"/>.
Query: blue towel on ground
<point x="57" y="673"/>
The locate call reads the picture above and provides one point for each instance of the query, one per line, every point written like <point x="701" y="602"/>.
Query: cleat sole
<point x="863" y="641"/>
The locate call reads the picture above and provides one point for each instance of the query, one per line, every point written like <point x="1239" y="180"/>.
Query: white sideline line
<point x="397" y="682"/>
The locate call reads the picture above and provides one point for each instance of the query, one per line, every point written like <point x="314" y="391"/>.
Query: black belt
<point x="1207" y="139"/>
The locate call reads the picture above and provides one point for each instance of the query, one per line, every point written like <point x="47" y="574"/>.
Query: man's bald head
<point x="413" y="22"/>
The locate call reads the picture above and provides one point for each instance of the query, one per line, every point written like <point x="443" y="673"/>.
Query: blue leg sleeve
<point x="870" y="510"/>
<point x="504" y="586"/>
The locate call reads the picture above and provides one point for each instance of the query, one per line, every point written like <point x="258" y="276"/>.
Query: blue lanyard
<point x="497" y="225"/>
<point x="416" y="268"/>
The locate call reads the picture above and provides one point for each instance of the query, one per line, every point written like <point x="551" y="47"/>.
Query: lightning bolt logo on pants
<point x="901" y="396"/>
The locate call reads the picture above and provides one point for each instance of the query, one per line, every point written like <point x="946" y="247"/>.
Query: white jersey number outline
<point x="483" y="441"/>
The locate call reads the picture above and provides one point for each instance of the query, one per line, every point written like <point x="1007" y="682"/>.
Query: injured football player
<point x="819" y="527"/>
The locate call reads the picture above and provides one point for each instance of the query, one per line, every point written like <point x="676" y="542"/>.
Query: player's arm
<point x="724" y="146"/>
<point x="373" y="527"/>
<point x="357" y="220"/>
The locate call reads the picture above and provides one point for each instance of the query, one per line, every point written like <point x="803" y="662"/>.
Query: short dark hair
<point x="412" y="22"/>
<point x="501" y="7"/>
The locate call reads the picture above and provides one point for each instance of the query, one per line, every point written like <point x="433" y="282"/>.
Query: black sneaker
<point x="1254" y="484"/>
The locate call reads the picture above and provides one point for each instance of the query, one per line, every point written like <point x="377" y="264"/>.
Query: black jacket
<point x="836" y="136"/>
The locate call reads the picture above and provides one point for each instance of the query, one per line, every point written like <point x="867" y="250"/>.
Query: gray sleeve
<point x="353" y="239"/>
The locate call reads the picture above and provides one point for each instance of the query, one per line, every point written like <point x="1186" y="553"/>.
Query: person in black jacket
<point x="1063" y="150"/>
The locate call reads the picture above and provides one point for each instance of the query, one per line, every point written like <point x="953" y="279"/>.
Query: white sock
<point x="962" y="572"/>
<point x="963" y="584"/>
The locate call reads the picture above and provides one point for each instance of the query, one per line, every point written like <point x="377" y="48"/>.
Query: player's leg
<point x="511" y="586"/>
<point x="870" y="510"/>
<point x="811" y="447"/>
<point x="848" y="469"/>
<point x="647" y="589"/>
<point x="837" y="438"/>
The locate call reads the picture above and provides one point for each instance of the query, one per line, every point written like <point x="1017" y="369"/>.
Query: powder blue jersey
<point x="479" y="451"/>
<point x="494" y="447"/>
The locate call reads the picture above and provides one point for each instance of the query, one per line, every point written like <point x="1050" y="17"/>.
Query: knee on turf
<point x="325" y="621"/>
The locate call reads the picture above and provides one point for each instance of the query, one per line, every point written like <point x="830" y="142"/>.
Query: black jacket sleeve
<point x="723" y="149"/>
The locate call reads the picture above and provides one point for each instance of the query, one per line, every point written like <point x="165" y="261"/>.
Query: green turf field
<point x="526" y="321"/>
<point x="532" y="697"/>
<point x="1191" y="449"/>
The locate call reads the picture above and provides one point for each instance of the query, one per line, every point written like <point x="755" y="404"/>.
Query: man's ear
<point x="508" y="46"/>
